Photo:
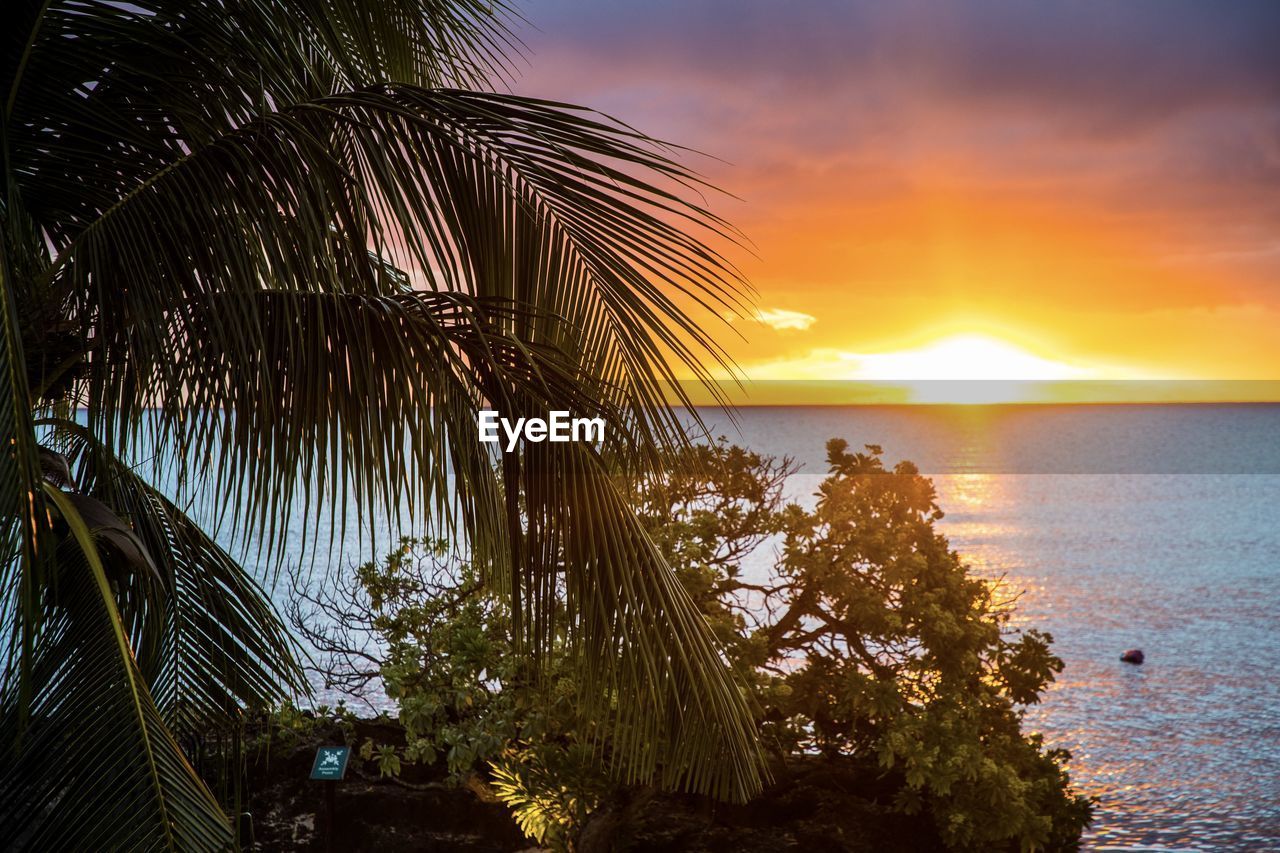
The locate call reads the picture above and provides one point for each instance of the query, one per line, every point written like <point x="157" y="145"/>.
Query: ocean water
<point x="1153" y="527"/>
<point x="1149" y="526"/>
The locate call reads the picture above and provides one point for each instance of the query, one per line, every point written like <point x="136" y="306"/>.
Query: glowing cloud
<point x="783" y="320"/>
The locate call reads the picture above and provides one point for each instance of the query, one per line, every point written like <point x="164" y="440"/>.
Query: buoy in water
<point x="1133" y="656"/>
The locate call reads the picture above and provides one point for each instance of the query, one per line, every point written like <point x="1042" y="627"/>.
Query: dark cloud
<point x="1104" y="64"/>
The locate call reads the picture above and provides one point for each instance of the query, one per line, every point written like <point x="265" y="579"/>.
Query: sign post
<point x="329" y="767"/>
<point x="331" y="763"/>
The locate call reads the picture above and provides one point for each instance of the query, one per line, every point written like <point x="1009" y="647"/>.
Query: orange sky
<point x="1087" y="190"/>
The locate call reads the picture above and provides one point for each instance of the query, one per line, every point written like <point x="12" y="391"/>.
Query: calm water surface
<point x="1121" y="533"/>
<point x="1183" y="751"/>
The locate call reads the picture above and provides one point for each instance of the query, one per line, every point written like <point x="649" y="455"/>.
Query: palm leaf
<point x="228" y="193"/>
<point x="96" y="731"/>
<point x="25" y="540"/>
<point x="673" y="709"/>
<point x="416" y="153"/>
<point x="209" y="641"/>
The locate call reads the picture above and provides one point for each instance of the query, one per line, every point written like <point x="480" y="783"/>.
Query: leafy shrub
<point x="869" y="636"/>
<point x="286" y="726"/>
<point x="550" y="789"/>
<point x="466" y="696"/>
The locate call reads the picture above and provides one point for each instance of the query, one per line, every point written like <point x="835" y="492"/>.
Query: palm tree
<point x="289" y="248"/>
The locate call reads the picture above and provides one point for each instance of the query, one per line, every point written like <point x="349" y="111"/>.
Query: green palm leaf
<point x="674" y="708"/>
<point x="600" y="235"/>
<point x="25" y="539"/>
<point x="209" y="638"/>
<point x="269" y="239"/>
<point x="97" y="768"/>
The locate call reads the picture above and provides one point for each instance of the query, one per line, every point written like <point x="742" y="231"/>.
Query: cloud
<point x="783" y="320"/>
<point x="1106" y="62"/>
<point x="1075" y="167"/>
<point x="1129" y="112"/>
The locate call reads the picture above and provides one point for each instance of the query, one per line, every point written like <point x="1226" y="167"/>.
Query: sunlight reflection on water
<point x="1183" y="751"/>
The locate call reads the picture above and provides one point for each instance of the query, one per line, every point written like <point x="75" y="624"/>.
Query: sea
<point x="1122" y="526"/>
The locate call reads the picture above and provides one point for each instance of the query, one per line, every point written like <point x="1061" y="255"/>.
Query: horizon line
<point x="972" y="392"/>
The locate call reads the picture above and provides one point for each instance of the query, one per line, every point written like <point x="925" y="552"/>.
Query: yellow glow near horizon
<point x="958" y="368"/>
<point x="967" y="368"/>
<point x="965" y="357"/>
<point x="975" y="364"/>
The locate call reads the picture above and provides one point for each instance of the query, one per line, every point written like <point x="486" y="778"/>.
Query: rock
<point x="814" y="804"/>
<point x="1133" y="656"/>
<point x="420" y="811"/>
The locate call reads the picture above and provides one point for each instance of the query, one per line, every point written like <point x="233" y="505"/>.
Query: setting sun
<point x="966" y="369"/>
<point x="965" y="357"/>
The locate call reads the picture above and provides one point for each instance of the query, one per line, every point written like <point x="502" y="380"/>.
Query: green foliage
<point x="286" y="726"/>
<point x="867" y="637"/>
<point x="468" y="697"/>
<point x="448" y="655"/>
<point x="550" y="789"/>
<point x="870" y="636"/>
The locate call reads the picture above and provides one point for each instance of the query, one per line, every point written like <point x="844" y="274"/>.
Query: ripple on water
<point x="1183" y="752"/>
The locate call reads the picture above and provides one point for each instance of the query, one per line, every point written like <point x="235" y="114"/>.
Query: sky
<point x="990" y="189"/>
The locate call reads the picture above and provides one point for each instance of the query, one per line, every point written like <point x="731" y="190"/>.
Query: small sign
<point x="331" y="762"/>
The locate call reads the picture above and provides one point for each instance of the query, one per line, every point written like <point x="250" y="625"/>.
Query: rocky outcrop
<point x="813" y="805"/>
<point x="420" y="811"/>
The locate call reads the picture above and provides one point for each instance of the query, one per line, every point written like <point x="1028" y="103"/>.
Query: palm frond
<point x="207" y="638"/>
<point x="281" y="376"/>
<point x="96" y="731"/>
<point x="103" y="95"/>
<point x="296" y="262"/>
<point x="671" y="707"/>
<point x="352" y="397"/>
<point x="272" y="217"/>
<point x="25" y="537"/>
